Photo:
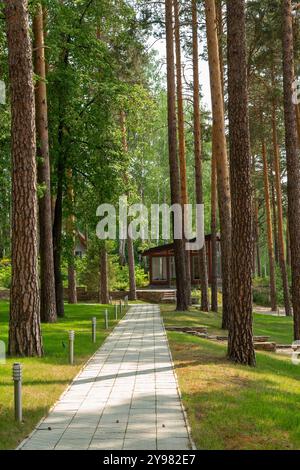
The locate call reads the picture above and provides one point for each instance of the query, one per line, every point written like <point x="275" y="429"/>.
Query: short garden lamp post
<point x="106" y="319"/>
<point x="17" y="378"/>
<point x="71" y="346"/>
<point x="116" y="311"/>
<point x="94" y="329"/>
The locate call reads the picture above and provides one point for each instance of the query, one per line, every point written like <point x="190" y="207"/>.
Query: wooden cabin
<point x="161" y="264"/>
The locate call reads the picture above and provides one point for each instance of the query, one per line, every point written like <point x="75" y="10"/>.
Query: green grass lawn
<point x="235" y="407"/>
<point x="45" y="379"/>
<point x="280" y="329"/>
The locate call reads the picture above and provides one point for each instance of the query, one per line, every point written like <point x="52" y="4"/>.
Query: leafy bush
<point x="119" y="276"/>
<point x="261" y="290"/>
<point x="5" y="273"/>
<point x="88" y="273"/>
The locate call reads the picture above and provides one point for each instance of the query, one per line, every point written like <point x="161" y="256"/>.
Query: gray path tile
<point x="125" y="398"/>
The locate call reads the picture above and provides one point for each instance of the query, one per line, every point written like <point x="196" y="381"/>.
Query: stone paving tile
<point x="125" y="398"/>
<point x="140" y="444"/>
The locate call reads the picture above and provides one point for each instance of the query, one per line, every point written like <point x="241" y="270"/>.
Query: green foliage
<point x="119" y="276"/>
<point x="45" y="379"/>
<point x="261" y="289"/>
<point x="5" y="273"/>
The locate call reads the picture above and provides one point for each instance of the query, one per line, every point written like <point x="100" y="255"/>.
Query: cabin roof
<point x="170" y="246"/>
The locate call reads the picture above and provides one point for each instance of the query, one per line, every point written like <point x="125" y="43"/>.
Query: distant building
<point x="80" y="245"/>
<point x="161" y="263"/>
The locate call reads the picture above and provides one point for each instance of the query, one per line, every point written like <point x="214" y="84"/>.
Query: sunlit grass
<point x="45" y="379"/>
<point x="279" y="329"/>
<point x="231" y="406"/>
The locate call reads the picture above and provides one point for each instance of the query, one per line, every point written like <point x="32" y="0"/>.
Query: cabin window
<point x="159" y="268"/>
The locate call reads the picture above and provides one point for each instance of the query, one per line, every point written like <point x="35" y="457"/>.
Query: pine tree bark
<point x="72" y="284"/>
<point x="214" y="204"/>
<point x="292" y="159"/>
<point x="220" y="33"/>
<point x="198" y="154"/>
<point x="274" y="213"/>
<point x="57" y="229"/>
<point x="221" y="155"/>
<point x="181" y="134"/>
<point x="269" y="230"/>
<point x="60" y="179"/>
<point x="130" y="249"/>
<point x="240" y="339"/>
<point x="288" y="245"/>
<point x="24" y="323"/>
<point x="297" y="107"/>
<point x="179" y="245"/>
<point x="256" y="237"/>
<point x="104" y="290"/>
<point x="47" y="284"/>
<point x="131" y="267"/>
<point x="281" y="247"/>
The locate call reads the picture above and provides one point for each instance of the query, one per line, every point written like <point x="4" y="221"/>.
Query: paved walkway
<point x="125" y="398"/>
<point x="267" y="311"/>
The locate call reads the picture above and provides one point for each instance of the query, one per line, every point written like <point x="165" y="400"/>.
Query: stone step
<point x="265" y="346"/>
<point x="188" y="329"/>
<point x="261" y="339"/>
<point x="199" y="335"/>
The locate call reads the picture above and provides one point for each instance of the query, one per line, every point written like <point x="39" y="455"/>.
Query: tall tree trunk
<point x="220" y="32"/>
<point x="240" y="339"/>
<point x="72" y="284"/>
<point x="179" y="245"/>
<point x="60" y="178"/>
<point x="130" y="248"/>
<point x="221" y="155"/>
<point x="24" y="324"/>
<point x="104" y="290"/>
<point x="282" y="261"/>
<point x="269" y="231"/>
<point x="122" y="256"/>
<point x="288" y="245"/>
<point x="57" y="229"/>
<point x="293" y="160"/>
<point x="131" y="268"/>
<point x="274" y="213"/>
<point x="181" y="135"/>
<point x="256" y="237"/>
<point x="198" y="154"/>
<point x="47" y="287"/>
<point x="214" y="204"/>
<point x="298" y="122"/>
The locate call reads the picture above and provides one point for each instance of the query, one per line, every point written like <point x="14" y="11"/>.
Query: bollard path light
<point x="94" y="329"/>
<point x="121" y="307"/>
<point x="116" y="311"/>
<point x="17" y="378"/>
<point x="71" y="346"/>
<point x="106" y="319"/>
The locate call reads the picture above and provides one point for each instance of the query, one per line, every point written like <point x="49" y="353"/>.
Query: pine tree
<point x="179" y="248"/>
<point x="240" y="339"/>
<point x="198" y="154"/>
<point x="292" y="159"/>
<point x="24" y="325"/>
<point x="220" y="147"/>
<point x="48" y="303"/>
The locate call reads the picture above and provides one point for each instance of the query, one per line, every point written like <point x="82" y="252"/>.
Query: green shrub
<point x="5" y="274"/>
